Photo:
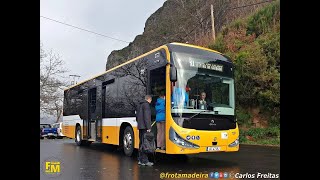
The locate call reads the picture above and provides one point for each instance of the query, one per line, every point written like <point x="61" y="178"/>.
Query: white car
<point x="60" y="135"/>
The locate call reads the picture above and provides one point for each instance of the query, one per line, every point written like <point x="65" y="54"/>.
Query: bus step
<point x="160" y="151"/>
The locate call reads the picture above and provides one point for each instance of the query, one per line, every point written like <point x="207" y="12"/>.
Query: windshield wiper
<point x="196" y="114"/>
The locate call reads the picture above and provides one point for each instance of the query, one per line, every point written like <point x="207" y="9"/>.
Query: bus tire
<point x="79" y="140"/>
<point x="128" y="141"/>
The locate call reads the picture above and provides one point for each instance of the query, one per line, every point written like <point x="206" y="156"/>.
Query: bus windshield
<point x="201" y="89"/>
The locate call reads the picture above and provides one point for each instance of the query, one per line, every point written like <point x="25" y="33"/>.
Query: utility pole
<point x="74" y="80"/>
<point x="212" y="20"/>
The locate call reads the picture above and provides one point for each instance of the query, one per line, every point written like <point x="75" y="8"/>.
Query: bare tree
<point x="51" y="83"/>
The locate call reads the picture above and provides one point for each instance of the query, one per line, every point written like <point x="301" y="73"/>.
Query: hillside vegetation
<point x="253" y="43"/>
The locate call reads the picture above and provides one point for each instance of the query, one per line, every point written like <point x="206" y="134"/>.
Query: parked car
<point x="60" y="135"/>
<point x="46" y="130"/>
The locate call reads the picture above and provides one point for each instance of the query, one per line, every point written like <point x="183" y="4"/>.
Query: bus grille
<point x="210" y="124"/>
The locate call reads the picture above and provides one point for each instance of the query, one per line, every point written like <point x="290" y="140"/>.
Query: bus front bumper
<point x="202" y="149"/>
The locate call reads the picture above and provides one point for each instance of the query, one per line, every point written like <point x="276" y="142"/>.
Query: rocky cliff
<point x="184" y="21"/>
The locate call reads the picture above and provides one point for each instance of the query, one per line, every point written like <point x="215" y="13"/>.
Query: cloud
<point x="85" y="54"/>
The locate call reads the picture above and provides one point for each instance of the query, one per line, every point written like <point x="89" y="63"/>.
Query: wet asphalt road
<point x="100" y="161"/>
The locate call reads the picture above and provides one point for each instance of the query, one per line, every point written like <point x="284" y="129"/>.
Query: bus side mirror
<point x="173" y="74"/>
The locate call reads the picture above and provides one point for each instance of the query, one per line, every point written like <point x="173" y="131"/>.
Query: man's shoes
<point x="145" y="164"/>
<point x="149" y="164"/>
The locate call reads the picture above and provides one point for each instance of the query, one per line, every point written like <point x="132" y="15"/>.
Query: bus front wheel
<point x="128" y="141"/>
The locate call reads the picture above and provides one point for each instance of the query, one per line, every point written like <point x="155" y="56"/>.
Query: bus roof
<point x="145" y="54"/>
<point x="193" y="46"/>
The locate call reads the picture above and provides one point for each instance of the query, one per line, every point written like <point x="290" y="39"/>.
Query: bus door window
<point x="157" y="86"/>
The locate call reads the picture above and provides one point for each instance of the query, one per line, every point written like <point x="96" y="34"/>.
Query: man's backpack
<point x="149" y="144"/>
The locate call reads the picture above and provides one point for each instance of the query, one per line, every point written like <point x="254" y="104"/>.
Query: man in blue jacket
<point x="144" y="125"/>
<point x="160" y="119"/>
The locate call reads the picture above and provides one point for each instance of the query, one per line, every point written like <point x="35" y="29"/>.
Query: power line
<point x="197" y="26"/>
<point x="251" y="4"/>
<point x="227" y="9"/>
<point x="83" y="29"/>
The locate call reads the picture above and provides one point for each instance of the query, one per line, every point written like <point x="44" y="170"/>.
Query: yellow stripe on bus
<point x="69" y="131"/>
<point x="110" y="134"/>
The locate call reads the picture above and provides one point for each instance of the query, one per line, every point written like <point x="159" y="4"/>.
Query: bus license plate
<point x="215" y="148"/>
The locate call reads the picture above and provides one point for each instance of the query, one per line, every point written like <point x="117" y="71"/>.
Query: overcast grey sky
<point x="85" y="54"/>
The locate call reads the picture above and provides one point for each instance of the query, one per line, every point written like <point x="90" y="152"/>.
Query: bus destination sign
<point x="216" y="67"/>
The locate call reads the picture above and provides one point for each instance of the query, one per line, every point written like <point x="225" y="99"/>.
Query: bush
<point x="270" y="43"/>
<point x="242" y="137"/>
<point x="263" y="133"/>
<point x="256" y="133"/>
<point x="243" y="117"/>
<point x="271" y="141"/>
<point x="273" y="132"/>
<point x="275" y="119"/>
<point x="218" y="45"/>
<point x="261" y="22"/>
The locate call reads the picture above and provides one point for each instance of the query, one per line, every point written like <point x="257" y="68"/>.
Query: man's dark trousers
<point x="142" y="157"/>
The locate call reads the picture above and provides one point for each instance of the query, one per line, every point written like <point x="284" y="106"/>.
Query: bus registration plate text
<point x="214" y="148"/>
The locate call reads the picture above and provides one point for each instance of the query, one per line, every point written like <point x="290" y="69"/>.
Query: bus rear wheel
<point x="128" y="141"/>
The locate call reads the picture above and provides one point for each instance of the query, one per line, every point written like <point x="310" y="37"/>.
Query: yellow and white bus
<point x="103" y="108"/>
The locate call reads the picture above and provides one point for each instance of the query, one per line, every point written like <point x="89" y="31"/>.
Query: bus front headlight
<point x="175" y="138"/>
<point x="234" y="143"/>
